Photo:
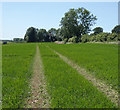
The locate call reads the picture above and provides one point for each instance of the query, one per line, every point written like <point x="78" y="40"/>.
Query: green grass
<point x="16" y="63"/>
<point x="67" y="88"/>
<point x="101" y="60"/>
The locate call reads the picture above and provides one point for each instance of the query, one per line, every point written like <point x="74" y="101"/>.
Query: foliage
<point x="18" y="40"/>
<point x="77" y="22"/>
<point x="58" y="34"/>
<point x="16" y="74"/>
<point x="97" y="30"/>
<point x="116" y="29"/>
<point x="73" y="39"/>
<point x="52" y="33"/>
<point x="42" y="36"/>
<point x="101" y="37"/>
<point x="85" y="38"/>
<point x="31" y="35"/>
<point x="65" y="40"/>
<point x="112" y="37"/>
<point x="118" y="37"/>
<point x="66" y="87"/>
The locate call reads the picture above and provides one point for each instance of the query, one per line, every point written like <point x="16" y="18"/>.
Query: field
<point x="66" y="87"/>
<point x="16" y="72"/>
<point x="101" y="60"/>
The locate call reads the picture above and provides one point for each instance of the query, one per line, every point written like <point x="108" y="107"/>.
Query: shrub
<point x="101" y="37"/>
<point x="73" y="39"/>
<point x="112" y="37"/>
<point x="65" y="40"/>
<point x="118" y="38"/>
<point x="85" y="38"/>
<point x="93" y="38"/>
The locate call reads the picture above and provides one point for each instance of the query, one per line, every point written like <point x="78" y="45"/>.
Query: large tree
<point x="31" y="35"/>
<point x="42" y="35"/>
<point x="59" y="34"/>
<point x="52" y="34"/>
<point x="97" y="30"/>
<point x="116" y="29"/>
<point x="77" y="22"/>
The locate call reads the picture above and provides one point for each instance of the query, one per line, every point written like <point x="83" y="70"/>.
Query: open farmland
<point x="65" y="86"/>
<point x="101" y="60"/>
<point x="16" y="71"/>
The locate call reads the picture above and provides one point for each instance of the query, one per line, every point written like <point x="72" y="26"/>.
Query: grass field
<point x="101" y="60"/>
<point x="16" y="64"/>
<point x="66" y="87"/>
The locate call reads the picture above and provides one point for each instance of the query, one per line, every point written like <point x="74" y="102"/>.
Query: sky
<point x="17" y="17"/>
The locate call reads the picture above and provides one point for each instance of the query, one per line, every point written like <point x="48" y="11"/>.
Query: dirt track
<point x="40" y="97"/>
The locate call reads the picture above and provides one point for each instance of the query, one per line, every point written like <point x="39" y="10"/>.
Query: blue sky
<point x="18" y="16"/>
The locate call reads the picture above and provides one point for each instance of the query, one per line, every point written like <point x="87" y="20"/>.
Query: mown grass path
<point x="103" y="87"/>
<point x="40" y="97"/>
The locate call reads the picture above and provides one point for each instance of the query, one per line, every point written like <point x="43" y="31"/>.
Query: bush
<point x="101" y="37"/>
<point x="118" y="38"/>
<point x="85" y="38"/>
<point x="112" y="37"/>
<point x="73" y="39"/>
<point x="65" y="40"/>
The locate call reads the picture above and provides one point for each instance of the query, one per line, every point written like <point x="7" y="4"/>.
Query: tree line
<point x="75" y="26"/>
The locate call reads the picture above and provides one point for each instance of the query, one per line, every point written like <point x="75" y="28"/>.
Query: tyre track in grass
<point x="39" y="96"/>
<point x="101" y="86"/>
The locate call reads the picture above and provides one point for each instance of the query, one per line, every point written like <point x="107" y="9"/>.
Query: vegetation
<point x="116" y="29"/>
<point x="53" y="34"/>
<point x="16" y="69"/>
<point x="97" y="30"/>
<point x="42" y="35"/>
<point x="101" y="37"/>
<point x="18" y="40"/>
<point x="77" y="22"/>
<point x="67" y="88"/>
<point x="101" y="60"/>
<point x="31" y="35"/>
<point x="75" y="27"/>
<point x="73" y="39"/>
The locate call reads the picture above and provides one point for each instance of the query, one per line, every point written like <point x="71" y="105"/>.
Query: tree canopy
<point x="42" y="35"/>
<point x="97" y="30"/>
<point x="116" y="29"/>
<point x="77" y="22"/>
<point x="74" y="27"/>
<point x="52" y="34"/>
<point x="31" y="35"/>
